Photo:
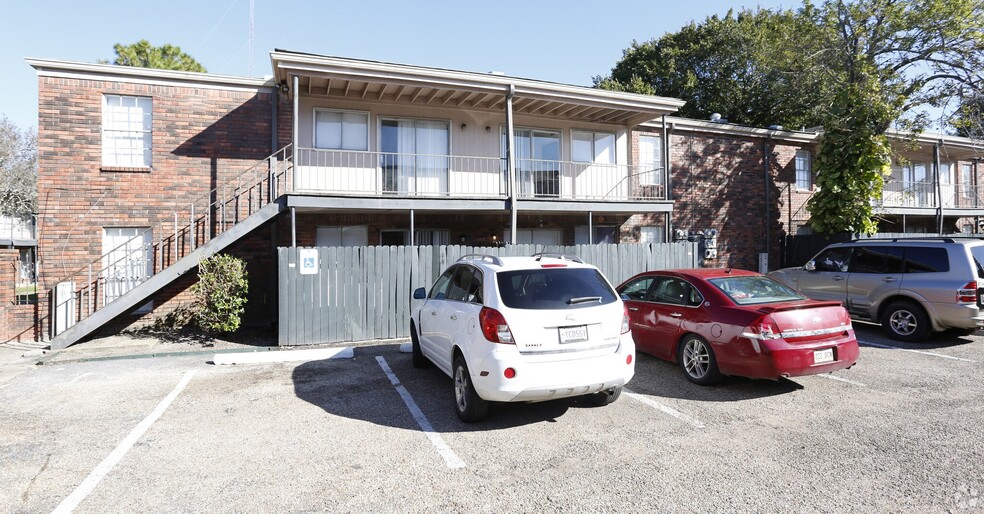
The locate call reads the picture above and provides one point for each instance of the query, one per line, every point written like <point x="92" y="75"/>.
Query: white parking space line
<point x="664" y="409"/>
<point x="888" y="347"/>
<point x="72" y="501"/>
<point x="450" y="458"/>
<point x="839" y="379"/>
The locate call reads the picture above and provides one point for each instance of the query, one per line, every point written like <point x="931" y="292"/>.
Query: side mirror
<point x="419" y="293"/>
<point x="810" y="266"/>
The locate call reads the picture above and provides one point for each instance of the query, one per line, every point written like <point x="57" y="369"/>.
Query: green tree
<point x="885" y="58"/>
<point x="739" y="65"/>
<point x="166" y="57"/>
<point x="18" y="170"/>
<point x="854" y="68"/>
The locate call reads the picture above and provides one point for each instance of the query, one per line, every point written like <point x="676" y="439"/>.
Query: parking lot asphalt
<point x="900" y="431"/>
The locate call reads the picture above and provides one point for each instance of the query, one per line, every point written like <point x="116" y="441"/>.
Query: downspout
<point x="668" y="236"/>
<point x="768" y="222"/>
<point x="295" y="87"/>
<point x="939" y="187"/>
<point x="511" y="163"/>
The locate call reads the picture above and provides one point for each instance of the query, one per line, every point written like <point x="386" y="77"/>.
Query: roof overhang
<point x="951" y="147"/>
<point x="360" y="80"/>
<point x="80" y="70"/>
<point x="677" y="124"/>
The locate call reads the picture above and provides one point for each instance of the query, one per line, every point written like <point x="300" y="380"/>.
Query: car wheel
<point x="697" y="361"/>
<point x="606" y="397"/>
<point x="467" y="404"/>
<point x="419" y="361"/>
<point x="906" y="321"/>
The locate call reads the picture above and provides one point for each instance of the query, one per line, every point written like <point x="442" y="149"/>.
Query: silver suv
<point x="911" y="286"/>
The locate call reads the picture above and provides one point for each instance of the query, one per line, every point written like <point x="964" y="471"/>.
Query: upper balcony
<point x="399" y="175"/>
<point x="382" y="131"/>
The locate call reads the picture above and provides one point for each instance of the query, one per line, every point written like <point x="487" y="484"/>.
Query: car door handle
<point x="633" y="308"/>
<point x="454" y="316"/>
<point x="433" y="313"/>
<point x="888" y="279"/>
<point x="838" y="277"/>
<point x="676" y="314"/>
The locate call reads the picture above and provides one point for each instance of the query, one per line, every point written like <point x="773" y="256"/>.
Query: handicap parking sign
<point x="309" y="261"/>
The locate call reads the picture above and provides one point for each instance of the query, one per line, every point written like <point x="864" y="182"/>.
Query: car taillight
<point x="494" y="326"/>
<point x="625" y="319"/>
<point x="967" y="293"/>
<point x="762" y="328"/>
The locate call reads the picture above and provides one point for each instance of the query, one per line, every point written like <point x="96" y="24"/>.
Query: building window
<point x="651" y="235"/>
<point x="414" y="155"/>
<point x="126" y="131"/>
<point x="804" y="170"/>
<point x="966" y="181"/>
<point x="537" y="161"/>
<point x="341" y="130"/>
<point x="650" y="161"/>
<point x="357" y="235"/>
<point x="596" y="147"/>
<point x="26" y="287"/>
<point x="127" y="260"/>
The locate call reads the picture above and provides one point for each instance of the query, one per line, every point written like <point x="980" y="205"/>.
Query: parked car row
<point x="512" y="329"/>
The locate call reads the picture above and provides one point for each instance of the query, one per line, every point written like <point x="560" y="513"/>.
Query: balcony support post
<point x="293" y="227"/>
<point x="411" y="230"/>
<point x="939" y="187"/>
<point x="511" y="163"/>
<point x="590" y="228"/>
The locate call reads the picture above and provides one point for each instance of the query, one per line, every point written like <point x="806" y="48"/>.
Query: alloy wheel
<point x="696" y="358"/>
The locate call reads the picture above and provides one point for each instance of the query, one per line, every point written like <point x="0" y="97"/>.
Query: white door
<point x="127" y="259"/>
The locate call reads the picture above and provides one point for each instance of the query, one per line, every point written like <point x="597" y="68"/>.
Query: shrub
<point x="220" y="295"/>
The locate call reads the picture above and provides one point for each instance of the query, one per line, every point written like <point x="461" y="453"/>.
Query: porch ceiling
<point x="377" y="82"/>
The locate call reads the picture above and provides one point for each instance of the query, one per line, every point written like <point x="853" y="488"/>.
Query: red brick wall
<point x="202" y="138"/>
<point x="719" y="181"/>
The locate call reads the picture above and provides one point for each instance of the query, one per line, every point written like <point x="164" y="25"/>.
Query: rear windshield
<point x="754" y="290"/>
<point x="978" y="253"/>
<point x="554" y="288"/>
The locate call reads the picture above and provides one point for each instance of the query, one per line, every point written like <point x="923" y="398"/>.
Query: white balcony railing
<point x="925" y="193"/>
<point x="419" y="175"/>
<point x="16" y="228"/>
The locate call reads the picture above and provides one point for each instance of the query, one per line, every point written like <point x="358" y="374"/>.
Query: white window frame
<point x="349" y="235"/>
<point x="343" y="112"/>
<point x="967" y="181"/>
<point x="653" y="176"/>
<point x="127" y="131"/>
<point x="652" y="234"/>
<point x="804" y="174"/>
<point x="594" y="137"/>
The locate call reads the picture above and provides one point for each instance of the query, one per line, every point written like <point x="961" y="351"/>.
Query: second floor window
<point x="966" y="181"/>
<point x="341" y="130"/>
<point x="126" y="131"/>
<point x="592" y="147"/>
<point x="804" y="170"/>
<point x="650" y="161"/>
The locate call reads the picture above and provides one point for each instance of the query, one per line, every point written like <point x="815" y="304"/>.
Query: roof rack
<point x="481" y="257"/>
<point x="945" y="239"/>
<point x="561" y="256"/>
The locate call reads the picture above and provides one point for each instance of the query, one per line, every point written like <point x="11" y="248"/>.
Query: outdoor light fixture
<point x="464" y="126"/>
<point x="283" y="87"/>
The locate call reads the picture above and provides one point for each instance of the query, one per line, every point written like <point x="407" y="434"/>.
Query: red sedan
<point x="715" y="322"/>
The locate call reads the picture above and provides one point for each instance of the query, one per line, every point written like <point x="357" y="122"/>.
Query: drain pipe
<point x="511" y="163"/>
<point x="668" y="236"/>
<point x="293" y="148"/>
<point x="768" y="221"/>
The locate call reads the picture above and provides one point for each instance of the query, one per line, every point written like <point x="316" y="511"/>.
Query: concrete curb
<point x="282" y="356"/>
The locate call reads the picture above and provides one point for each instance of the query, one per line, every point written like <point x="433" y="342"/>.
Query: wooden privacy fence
<point x="341" y="294"/>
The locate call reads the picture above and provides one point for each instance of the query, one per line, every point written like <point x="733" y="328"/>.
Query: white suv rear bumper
<point x="550" y="380"/>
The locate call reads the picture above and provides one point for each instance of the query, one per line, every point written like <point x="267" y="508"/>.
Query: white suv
<point x="523" y="329"/>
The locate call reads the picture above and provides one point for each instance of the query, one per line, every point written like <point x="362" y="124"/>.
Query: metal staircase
<point x="128" y="275"/>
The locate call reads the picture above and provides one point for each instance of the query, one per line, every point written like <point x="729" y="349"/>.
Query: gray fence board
<point x="363" y="293"/>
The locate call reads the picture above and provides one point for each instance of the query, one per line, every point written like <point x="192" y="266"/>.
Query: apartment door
<point x="127" y="259"/>
<point x="537" y="161"/>
<point x="414" y="156"/>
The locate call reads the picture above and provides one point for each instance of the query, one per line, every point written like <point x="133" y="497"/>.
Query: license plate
<point x="573" y="334"/>
<point x="822" y="356"/>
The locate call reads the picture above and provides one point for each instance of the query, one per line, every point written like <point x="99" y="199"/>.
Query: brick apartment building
<point x="143" y="171"/>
